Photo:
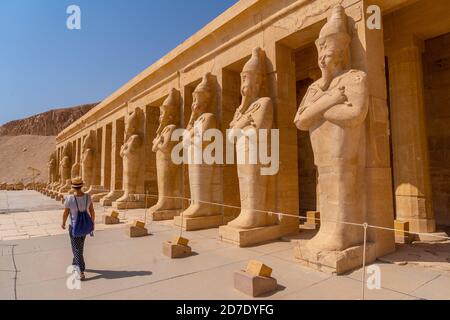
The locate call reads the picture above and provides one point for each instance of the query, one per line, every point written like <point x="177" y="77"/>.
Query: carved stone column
<point x="409" y="137"/>
<point x="105" y="169"/>
<point x="96" y="186"/>
<point x="116" y="187"/>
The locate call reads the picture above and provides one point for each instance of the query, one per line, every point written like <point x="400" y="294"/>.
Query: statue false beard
<point x="196" y="113"/>
<point x="247" y="100"/>
<point x="328" y="74"/>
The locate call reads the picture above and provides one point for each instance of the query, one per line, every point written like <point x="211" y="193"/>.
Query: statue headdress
<point x="171" y="106"/>
<point x="334" y="35"/>
<point x="335" y="31"/>
<point x="256" y="62"/>
<point x="207" y="84"/>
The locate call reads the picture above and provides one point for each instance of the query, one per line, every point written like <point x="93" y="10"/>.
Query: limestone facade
<point x="405" y="131"/>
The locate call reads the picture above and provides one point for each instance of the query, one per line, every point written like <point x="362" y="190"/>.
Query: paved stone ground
<point x="28" y="214"/>
<point x="119" y="267"/>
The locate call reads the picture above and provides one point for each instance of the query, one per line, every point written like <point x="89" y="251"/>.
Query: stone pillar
<point x="368" y="54"/>
<point x="97" y="189"/>
<point x="150" y="181"/>
<point x="409" y="138"/>
<point x="98" y="158"/>
<point x="105" y="167"/>
<point x="229" y="81"/>
<point x="76" y="168"/>
<point x="283" y="91"/>
<point x="106" y="156"/>
<point x="116" y="181"/>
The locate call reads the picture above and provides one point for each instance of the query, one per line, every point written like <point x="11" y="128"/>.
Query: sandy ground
<point x="17" y="153"/>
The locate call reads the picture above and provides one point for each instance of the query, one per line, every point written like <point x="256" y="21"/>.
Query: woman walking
<point x="77" y="204"/>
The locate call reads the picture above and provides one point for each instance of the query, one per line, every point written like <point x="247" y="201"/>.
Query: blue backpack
<point x="83" y="225"/>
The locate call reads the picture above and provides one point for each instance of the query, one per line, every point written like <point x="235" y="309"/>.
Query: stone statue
<point x="75" y="171"/>
<point x="87" y="159"/>
<point x="254" y="113"/>
<point x="201" y="175"/>
<point x="333" y="110"/>
<point x="131" y="154"/>
<point x="51" y="165"/>
<point x="66" y="168"/>
<point x="168" y="173"/>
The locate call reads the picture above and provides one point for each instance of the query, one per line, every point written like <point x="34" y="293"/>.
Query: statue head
<point x="170" y="109"/>
<point x="252" y="75"/>
<point x="203" y="95"/>
<point x="52" y="160"/>
<point x="333" y="45"/>
<point x="67" y="150"/>
<point x="134" y="122"/>
<point x="89" y="141"/>
<point x="75" y="172"/>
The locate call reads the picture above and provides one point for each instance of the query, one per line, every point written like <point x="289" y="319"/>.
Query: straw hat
<point x="77" y="182"/>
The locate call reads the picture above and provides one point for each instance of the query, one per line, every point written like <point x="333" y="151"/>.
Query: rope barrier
<point x="364" y="225"/>
<point x="280" y="214"/>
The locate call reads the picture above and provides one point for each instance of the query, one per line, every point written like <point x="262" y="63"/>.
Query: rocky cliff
<point x="49" y="123"/>
<point x="27" y="143"/>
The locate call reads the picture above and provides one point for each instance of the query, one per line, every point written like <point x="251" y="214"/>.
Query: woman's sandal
<point x="82" y="276"/>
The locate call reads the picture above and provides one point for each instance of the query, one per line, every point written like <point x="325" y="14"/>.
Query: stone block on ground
<point x="173" y="250"/>
<point x="139" y="224"/>
<point x="180" y="240"/>
<point x="254" y="286"/>
<point x="135" y="232"/>
<point x="257" y="268"/>
<point x="110" y="220"/>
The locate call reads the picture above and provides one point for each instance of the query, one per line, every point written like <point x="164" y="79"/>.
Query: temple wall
<point x="286" y="31"/>
<point x="406" y="31"/>
<point x="436" y="60"/>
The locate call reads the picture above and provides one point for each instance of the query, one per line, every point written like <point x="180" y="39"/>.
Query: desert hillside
<point x="29" y="142"/>
<point x="18" y="153"/>
<point x="49" y="123"/>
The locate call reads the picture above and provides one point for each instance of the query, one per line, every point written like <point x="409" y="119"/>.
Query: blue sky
<point x="44" y="65"/>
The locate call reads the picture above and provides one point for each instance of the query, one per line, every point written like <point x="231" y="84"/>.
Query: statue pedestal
<point x="108" y="200"/>
<point x="336" y="262"/>
<point x="164" y="214"/>
<point x="97" y="197"/>
<point x="249" y="237"/>
<point x="93" y="190"/>
<point x="199" y="223"/>
<point x="128" y="205"/>
<point x="110" y="220"/>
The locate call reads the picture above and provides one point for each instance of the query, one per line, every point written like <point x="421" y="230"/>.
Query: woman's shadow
<point x="109" y="274"/>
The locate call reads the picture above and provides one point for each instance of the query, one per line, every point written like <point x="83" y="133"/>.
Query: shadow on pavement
<point x="110" y="274"/>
